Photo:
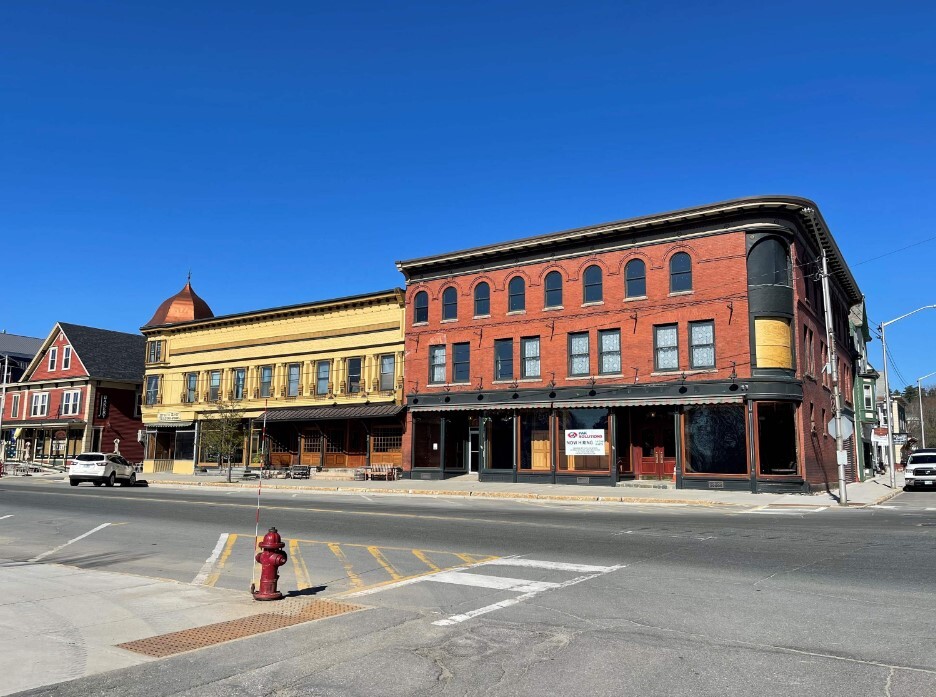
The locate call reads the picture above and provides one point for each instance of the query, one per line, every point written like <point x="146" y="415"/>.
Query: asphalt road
<point x="519" y="598"/>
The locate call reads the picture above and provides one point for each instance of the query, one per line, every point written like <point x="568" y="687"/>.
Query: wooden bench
<point x="385" y="472"/>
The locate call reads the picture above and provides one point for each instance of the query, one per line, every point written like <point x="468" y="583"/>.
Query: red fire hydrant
<point x="270" y="559"/>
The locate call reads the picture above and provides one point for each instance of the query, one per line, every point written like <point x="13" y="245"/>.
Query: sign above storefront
<point x="169" y="416"/>
<point x="585" y="441"/>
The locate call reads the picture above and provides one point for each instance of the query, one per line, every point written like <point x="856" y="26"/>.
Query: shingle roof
<point x="107" y="354"/>
<point x="20" y="346"/>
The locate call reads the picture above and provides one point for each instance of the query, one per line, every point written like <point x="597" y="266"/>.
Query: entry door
<point x="657" y="447"/>
<point x="473" y="449"/>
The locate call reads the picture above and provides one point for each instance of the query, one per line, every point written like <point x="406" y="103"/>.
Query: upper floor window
<point x="503" y="359"/>
<point x="592" y="281"/>
<point x="553" y="289"/>
<point x="609" y="351"/>
<point x="322" y="375"/>
<point x="530" y="357"/>
<point x="191" y="388"/>
<point x="71" y="402"/>
<point x="266" y="381"/>
<point x="769" y="263"/>
<point x="40" y="404"/>
<point x="578" y="354"/>
<point x="868" y="398"/>
<point x="293" y="374"/>
<point x="354" y="375"/>
<point x="154" y="351"/>
<point x="66" y="357"/>
<point x="450" y="303"/>
<point x="53" y="358"/>
<point x="482" y="300"/>
<point x="461" y="362"/>
<point x="152" y="390"/>
<point x="665" y="347"/>
<point x="387" y="371"/>
<point x="437" y="364"/>
<point x="702" y="344"/>
<point x="421" y="307"/>
<point x="240" y="378"/>
<point x="635" y="279"/>
<point x="214" y="385"/>
<point x="516" y="294"/>
<point x="14" y="406"/>
<point x="680" y="267"/>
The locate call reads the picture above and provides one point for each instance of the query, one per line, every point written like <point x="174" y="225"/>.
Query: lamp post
<point x="890" y="416"/>
<point x="920" y="395"/>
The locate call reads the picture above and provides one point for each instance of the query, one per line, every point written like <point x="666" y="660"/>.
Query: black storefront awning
<point x="362" y="411"/>
<point x="169" y="424"/>
<point x="60" y="423"/>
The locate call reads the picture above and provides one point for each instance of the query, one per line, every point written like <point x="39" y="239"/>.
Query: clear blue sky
<point x="292" y="151"/>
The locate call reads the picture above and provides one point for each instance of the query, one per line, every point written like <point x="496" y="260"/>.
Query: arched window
<point x="421" y="307"/>
<point x="553" y="289"/>
<point x="680" y="273"/>
<point x="635" y="279"/>
<point x="450" y="303"/>
<point x="516" y="294"/>
<point x="769" y="263"/>
<point x="482" y="300"/>
<point x="592" y="291"/>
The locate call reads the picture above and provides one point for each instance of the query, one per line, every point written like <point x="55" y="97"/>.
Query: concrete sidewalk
<point x="866" y="493"/>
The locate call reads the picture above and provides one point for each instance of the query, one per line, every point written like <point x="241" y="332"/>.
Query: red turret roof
<point x="184" y="306"/>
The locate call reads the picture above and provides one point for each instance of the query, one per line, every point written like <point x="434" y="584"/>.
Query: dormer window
<point x="53" y="358"/>
<point x="66" y="357"/>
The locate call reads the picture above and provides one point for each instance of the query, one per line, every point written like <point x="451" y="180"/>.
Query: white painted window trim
<point x="40" y="399"/>
<point x="66" y="357"/>
<point x="14" y="406"/>
<point x="73" y="405"/>
<point x="53" y="358"/>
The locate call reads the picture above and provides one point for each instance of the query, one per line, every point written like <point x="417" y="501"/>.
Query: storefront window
<point x="535" y="450"/>
<point x="456" y="439"/>
<point x="185" y="445"/>
<point x="776" y="438"/>
<point x="501" y="444"/>
<point x="572" y="421"/>
<point x="427" y="441"/>
<point x="715" y="439"/>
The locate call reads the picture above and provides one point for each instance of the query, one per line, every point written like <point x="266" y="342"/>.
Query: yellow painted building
<point x="317" y="384"/>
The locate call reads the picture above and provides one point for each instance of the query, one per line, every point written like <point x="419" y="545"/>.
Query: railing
<point x="162" y="465"/>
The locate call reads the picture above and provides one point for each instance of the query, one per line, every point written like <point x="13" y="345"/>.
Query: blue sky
<point x="292" y="151"/>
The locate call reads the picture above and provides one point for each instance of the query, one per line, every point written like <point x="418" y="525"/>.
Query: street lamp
<point x="890" y="416"/>
<point x="920" y="395"/>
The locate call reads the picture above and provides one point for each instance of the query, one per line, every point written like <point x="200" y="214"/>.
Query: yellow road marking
<point x="382" y="560"/>
<point x="299" y="565"/>
<point x="474" y="558"/>
<point x="355" y="580"/>
<point x="226" y="552"/>
<point x="419" y="554"/>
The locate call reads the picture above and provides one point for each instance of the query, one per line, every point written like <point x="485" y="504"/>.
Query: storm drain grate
<point x="286" y="614"/>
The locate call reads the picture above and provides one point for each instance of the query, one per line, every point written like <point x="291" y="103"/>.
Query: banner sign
<point x="586" y="441"/>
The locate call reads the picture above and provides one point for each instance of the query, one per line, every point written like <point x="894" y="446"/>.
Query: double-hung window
<point x="702" y="344"/>
<point x="530" y="355"/>
<point x="14" y="406"/>
<point x="53" y="358"/>
<point x="578" y="354"/>
<point x="609" y="351"/>
<point x="293" y="373"/>
<point x="354" y="375"/>
<point x="666" y="347"/>
<point x="553" y="288"/>
<point x="191" y="388"/>
<point x="266" y="381"/>
<point x="461" y="362"/>
<point x="152" y="389"/>
<point x="449" y="303"/>
<point x="66" y="357"/>
<point x="421" y="307"/>
<point x="40" y="404"/>
<point x="482" y="300"/>
<point x="592" y="291"/>
<point x="214" y="385"/>
<point x="503" y="359"/>
<point x="387" y="371"/>
<point x="437" y="364"/>
<point x="516" y="294"/>
<point x="240" y="378"/>
<point x="322" y="375"/>
<point x="680" y="273"/>
<point x="153" y="351"/>
<point x="71" y="402"/>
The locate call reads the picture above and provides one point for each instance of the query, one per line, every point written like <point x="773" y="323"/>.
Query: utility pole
<point x="840" y="455"/>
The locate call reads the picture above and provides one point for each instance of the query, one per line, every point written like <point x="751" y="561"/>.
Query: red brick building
<point x="687" y="344"/>
<point x="81" y="392"/>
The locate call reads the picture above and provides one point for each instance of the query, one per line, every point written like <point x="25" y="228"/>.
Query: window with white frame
<point x="71" y="402"/>
<point x="437" y="364"/>
<point x="66" y="357"/>
<point x="868" y="398"/>
<point x="387" y="371"/>
<point x="578" y="354"/>
<point x="702" y="345"/>
<point x="530" y="353"/>
<point x="609" y="351"/>
<point x="53" y="358"/>
<point x="40" y="404"/>
<point x="665" y="347"/>
<point x="14" y="406"/>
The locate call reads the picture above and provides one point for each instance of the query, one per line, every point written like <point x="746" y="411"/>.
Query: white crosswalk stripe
<point x="463" y="578"/>
<point x="553" y="565"/>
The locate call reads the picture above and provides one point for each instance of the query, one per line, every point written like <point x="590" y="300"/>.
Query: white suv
<point x="921" y="470"/>
<point x="101" y="468"/>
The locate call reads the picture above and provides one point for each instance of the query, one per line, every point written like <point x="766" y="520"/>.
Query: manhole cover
<point x="286" y="614"/>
